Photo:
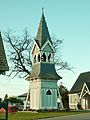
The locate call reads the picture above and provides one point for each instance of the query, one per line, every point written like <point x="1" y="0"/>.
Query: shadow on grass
<point x="2" y="119"/>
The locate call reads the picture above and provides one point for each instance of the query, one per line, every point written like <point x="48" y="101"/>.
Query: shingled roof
<point x="43" y="33"/>
<point x="23" y="95"/>
<point x="83" y="78"/>
<point x="3" y="61"/>
<point x="44" y="71"/>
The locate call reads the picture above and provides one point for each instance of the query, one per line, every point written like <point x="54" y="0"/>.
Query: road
<point x="85" y="116"/>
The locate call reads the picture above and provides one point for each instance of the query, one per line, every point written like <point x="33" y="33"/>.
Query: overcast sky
<point x="66" y="19"/>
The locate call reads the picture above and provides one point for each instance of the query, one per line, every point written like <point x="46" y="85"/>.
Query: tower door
<point x="49" y="99"/>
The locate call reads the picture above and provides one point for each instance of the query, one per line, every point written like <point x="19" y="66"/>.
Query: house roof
<point x="23" y="95"/>
<point x="83" y="78"/>
<point x="85" y="90"/>
<point x="3" y="60"/>
<point x="44" y="71"/>
<point x="43" y="33"/>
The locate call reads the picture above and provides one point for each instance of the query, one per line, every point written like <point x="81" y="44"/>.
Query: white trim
<point x="49" y="89"/>
<point x="49" y="44"/>
<point x="35" y="43"/>
<point x="83" y="90"/>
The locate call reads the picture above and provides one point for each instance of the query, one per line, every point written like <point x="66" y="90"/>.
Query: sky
<point x="66" y="19"/>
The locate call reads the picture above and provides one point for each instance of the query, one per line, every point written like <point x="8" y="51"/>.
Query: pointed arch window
<point x="49" y="57"/>
<point x="48" y="92"/>
<point x="44" y="57"/>
<point x="34" y="60"/>
<point x="38" y="57"/>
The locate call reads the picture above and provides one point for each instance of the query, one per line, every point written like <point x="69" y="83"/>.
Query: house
<point x="23" y="98"/>
<point x="79" y="96"/>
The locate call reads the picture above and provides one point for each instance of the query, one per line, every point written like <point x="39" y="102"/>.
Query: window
<point x="34" y="60"/>
<point x="38" y="57"/>
<point x="73" y="99"/>
<point x="48" y="92"/>
<point x="49" y="57"/>
<point x="44" y="57"/>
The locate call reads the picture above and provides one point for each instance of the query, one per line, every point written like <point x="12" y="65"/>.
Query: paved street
<point x="85" y="116"/>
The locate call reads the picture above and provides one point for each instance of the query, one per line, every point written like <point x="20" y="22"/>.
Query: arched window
<point x="48" y="92"/>
<point x="34" y="60"/>
<point x="38" y="57"/>
<point x="44" y="57"/>
<point x="49" y="57"/>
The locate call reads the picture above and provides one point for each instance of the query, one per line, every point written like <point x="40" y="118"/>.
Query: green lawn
<point x="34" y="116"/>
<point x="2" y="116"/>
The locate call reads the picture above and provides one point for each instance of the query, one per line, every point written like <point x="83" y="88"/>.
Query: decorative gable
<point x="35" y="48"/>
<point x="48" y="47"/>
<point x="84" y="91"/>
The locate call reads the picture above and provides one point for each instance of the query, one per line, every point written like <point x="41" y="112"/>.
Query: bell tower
<point x="43" y="78"/>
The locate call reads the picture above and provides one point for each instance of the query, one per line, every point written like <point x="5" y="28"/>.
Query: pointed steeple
<point x="3" y="61"/>
<point x="43" y="33"/>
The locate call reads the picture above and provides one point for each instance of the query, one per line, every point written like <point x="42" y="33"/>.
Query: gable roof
<point x="35" y="47"/>
<point x="3" y="61"/>
<point x="43" y="33"/>
<point x="23" y="95"/>
<point x="85" y="90"/>
<point x="88" y="85"/>
<point x="47" y="45"/>
<point x="83" y="78"/>
<point x="44" y="71"/>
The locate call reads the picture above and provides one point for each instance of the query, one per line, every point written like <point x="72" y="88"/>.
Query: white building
<point x="79" y="95"/>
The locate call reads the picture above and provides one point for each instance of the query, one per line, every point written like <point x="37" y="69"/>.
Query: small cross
<point x="42" y="10"/>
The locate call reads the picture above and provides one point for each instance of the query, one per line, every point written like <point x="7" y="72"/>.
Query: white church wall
<point x="35" y="94"/>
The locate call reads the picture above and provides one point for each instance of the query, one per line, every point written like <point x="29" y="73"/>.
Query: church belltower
<point x="43" y="78"/>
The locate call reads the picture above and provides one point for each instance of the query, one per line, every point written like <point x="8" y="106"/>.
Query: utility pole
<point x="6" y="106"/>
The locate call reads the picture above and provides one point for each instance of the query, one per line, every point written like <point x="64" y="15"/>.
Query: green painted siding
<point x="48" y="101"/>
<point x="49" y="84"/>
<point x="43" y="98"/>
<point x="54" y="98"/>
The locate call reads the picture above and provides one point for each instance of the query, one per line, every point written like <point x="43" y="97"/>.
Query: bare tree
<point x="61" y="65"/>
<point x="20" y="53"/>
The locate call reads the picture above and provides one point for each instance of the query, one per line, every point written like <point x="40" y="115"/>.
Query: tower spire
<point x="43" y="33"/>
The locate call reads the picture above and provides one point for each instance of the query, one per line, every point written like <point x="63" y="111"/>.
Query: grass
<point x="2" y="116"/>
<point x="34" y="116"/>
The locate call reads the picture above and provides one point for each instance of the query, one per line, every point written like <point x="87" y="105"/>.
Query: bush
<point x="79" y="106"/>
<point x="13" y="109"/>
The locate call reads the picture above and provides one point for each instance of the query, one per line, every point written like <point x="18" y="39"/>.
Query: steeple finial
<point x="42" y="10"/>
